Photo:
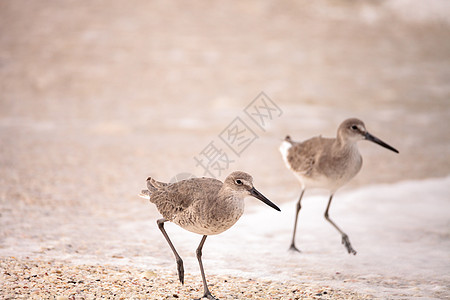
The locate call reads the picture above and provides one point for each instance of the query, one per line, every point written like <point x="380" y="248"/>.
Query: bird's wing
<point x="145" y="194"/>
<point x="175" y="198"/>
<point x="302" y="157"/>
<point x="153" y="185"/>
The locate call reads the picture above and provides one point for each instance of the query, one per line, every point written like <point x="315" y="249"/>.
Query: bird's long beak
<point x="261" y="197"/>
<point x="374" y="139"/>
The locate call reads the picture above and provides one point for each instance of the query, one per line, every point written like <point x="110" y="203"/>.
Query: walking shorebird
<point x="201" y="205"/>
<point x="327" y="163"/>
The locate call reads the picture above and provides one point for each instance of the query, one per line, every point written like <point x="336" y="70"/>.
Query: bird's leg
<point x="207" y="293"/>
<point x="180" y="268"/>
<point x="345" y="239"/>
<point x="299" y="206"/>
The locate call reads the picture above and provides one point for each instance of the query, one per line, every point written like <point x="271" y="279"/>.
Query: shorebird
<point x="204" y="206"/>
<point x="327" y="163"/>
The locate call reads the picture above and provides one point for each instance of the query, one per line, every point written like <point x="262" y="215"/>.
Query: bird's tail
<point x="152" y="186"/>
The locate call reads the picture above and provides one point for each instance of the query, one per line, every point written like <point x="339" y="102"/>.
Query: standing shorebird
<point x="202" y="205"/>
<point x="327" y="163"/>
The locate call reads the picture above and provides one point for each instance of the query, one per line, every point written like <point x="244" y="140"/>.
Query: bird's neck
<point x="345" y="146"/>
<point x="229" y="196"/>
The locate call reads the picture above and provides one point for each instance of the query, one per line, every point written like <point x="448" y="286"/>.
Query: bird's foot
<point x="292" y="248"/>
<point x="209" y="296"/>
<point x="348" y="245"/>
<point x="180" y="270"/>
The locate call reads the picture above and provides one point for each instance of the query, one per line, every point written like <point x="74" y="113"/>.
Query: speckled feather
<point x="201" y="205"/>
<point x="327" y="163"/>
<point x="324" y="162"/>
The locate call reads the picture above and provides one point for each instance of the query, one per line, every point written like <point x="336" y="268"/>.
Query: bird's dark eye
<point x="354" y="127"/>
<point x="238" y="182"/>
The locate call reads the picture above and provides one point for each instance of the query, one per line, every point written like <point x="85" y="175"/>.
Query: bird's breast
<point x="341" y="169"/>
<point x="208" y="218"/>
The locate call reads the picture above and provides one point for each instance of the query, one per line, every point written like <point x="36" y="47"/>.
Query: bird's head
<point x="241" y="184"/>
<point x="354" y="130"/>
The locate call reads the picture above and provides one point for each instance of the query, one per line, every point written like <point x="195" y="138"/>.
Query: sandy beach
<point x="32" y="279"/>
<point x="95" y="97"/>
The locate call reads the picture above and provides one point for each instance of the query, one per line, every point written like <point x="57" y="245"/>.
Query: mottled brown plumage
<point x="327" y="163"/>
<point x="201" y="205"/>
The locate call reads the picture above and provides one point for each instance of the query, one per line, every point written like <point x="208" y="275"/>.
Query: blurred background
<point x="95" y="96"/>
